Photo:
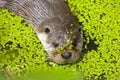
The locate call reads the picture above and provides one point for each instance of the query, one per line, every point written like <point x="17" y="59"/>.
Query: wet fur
<point x="37" y="11"/>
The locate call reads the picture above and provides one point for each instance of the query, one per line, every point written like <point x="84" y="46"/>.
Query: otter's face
<point x="63" y="42"/>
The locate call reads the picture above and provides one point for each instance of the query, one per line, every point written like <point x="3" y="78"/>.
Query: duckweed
<point x="62" y="49"/>
<point x="20" y="50"/>
<point x="101" y="25"/>
<point x="22" y="53"/>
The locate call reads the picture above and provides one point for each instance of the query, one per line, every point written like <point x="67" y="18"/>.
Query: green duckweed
<point x="101" y="25"/>
<point x="22" y="53"/>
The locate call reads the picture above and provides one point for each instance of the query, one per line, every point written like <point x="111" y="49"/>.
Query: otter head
<point x="62" y="41"/>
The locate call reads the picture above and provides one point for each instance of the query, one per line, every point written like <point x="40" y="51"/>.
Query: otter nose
<point x="67" y="55"/>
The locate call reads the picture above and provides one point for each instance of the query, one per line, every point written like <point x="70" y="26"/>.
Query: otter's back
<point x="37" y="11"/>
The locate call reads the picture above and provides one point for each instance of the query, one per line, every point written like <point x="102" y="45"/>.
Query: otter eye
<point x="79" y="30"/>
<point x="55" y="44"/>
<point x="74" y="43"/>
<point x="47" y="30"/>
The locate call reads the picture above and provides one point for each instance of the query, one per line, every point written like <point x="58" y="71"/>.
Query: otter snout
<point x="66" y="55"/>
<point x="70" y="56"/>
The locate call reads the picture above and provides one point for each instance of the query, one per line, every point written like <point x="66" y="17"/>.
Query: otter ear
<point x="46" y="30"/>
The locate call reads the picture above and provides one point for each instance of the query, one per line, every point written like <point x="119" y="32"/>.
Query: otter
<point x="57" y="28"/>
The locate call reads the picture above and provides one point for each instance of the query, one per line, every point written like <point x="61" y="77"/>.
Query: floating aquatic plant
<point x="21" y="52"/>
<point x="101" y="25"/>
